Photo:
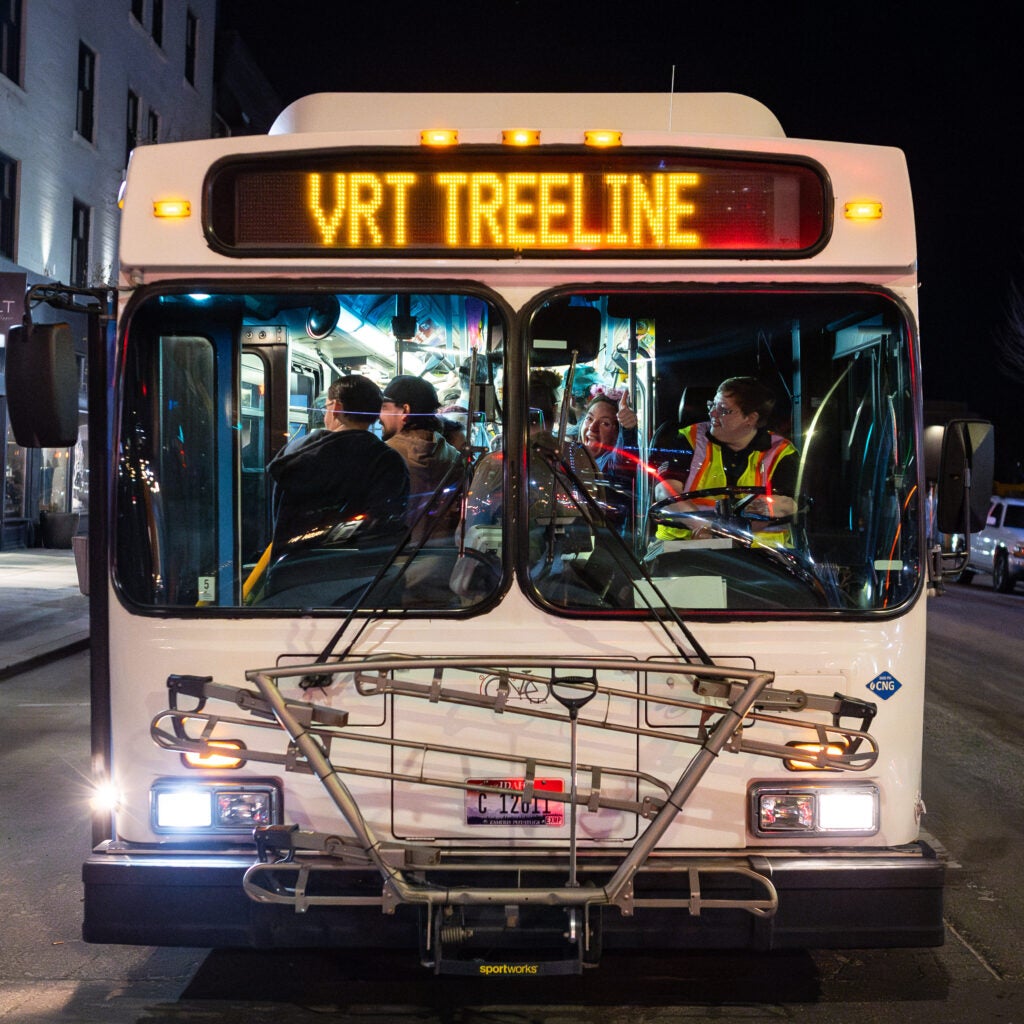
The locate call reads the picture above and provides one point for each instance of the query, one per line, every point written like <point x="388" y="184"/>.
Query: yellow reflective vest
<point x="707" y="471"/>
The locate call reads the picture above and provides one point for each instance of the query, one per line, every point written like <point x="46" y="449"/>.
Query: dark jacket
<point x="326" y="479"/>
<point x="430" y="460"/>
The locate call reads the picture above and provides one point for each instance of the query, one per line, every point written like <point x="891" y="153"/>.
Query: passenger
<point x="326" y="480"/>
<point x="453" y="429"/>
<point x="412" y="428"/>
<point x="609" y="431"/>
<point x="585" y="384"/>
<point x="734" y="449"/>
<point x="486" y="491"/>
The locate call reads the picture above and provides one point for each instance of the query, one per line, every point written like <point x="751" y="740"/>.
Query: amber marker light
<point x="520" y="137"/>
<point x="172" y="208"/>
<point x="439" y="137"/>
<point x="602" y="138"/>
<point x="828" y="749"/>
<point x="213" y="758"/>
<point x="863" y="209"/>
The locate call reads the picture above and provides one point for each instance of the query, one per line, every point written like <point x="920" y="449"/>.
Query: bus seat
<point x="693" y="408"/>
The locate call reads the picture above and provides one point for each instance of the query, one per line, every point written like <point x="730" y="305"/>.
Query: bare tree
<point x="1009" y="336"/>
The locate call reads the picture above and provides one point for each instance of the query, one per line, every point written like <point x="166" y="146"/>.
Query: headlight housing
<point x="814" y="810"/>
<point x="212" y="807"/>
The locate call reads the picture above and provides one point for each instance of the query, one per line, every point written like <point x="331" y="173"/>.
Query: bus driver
<point x="733" y="449"/>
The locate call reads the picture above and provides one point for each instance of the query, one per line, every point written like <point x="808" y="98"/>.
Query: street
<point x="974" y="790"/>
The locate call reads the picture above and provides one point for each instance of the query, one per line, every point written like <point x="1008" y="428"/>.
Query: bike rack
<point x="728" y="701"/>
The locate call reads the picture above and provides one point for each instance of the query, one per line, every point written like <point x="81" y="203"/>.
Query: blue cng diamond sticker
<point x="884" y="685"/>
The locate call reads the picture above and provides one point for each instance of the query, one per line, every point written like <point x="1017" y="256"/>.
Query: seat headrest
<point x="693" y="403"/>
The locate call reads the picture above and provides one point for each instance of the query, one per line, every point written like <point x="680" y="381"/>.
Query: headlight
<point x="214" y="808"/>
<point x="814" y="810"/>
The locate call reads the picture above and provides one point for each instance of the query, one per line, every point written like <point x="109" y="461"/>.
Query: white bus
<point x="628" y="702"/>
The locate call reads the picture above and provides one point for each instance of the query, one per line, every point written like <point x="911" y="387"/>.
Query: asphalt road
<point x="974" y="789"/>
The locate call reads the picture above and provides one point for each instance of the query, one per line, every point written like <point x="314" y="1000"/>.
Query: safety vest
<point x="708" y="471"/>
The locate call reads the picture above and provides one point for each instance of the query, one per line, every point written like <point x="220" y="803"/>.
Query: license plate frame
<point x="510" y="808"/>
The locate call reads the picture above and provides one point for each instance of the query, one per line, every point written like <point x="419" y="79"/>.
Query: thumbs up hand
<point x="625" y="415"/>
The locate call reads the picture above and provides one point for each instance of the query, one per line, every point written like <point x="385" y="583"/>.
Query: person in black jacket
<point x="341" y="482"/>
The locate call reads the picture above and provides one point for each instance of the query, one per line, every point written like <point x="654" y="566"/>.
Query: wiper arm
<point x="624" y="555"/>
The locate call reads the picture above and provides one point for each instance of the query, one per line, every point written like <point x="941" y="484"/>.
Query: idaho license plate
<point x="513" y="808"/>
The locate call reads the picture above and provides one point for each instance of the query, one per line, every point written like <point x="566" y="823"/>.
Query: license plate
<point x="512" y="808"/>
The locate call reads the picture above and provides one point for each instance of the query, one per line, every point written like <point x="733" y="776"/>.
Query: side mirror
<point x="42" y="385"/>
<point x="965" y="475"/>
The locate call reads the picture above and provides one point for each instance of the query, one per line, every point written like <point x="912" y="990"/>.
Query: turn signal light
<point x="826" y="749"/>
<point x="863" y="210"/>
<point x="213" y="757"/>
<point x="172" y="208"/>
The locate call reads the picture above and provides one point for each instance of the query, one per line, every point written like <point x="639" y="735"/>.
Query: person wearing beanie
<point x="408" y="416"/>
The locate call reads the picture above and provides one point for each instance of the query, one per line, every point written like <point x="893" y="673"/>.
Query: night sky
<point x="945" y="88"/>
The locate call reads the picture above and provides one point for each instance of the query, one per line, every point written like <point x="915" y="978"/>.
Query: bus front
<point x="643" y="664"/>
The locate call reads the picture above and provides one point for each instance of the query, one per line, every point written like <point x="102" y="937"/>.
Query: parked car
<point x="999" y="548"/>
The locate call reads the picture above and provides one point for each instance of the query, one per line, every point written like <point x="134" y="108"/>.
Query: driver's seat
<point x="693" y="408"/>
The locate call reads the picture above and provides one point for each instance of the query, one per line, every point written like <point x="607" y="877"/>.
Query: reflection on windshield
<point x="711" y="452"/>
<point x="751" y="452"/>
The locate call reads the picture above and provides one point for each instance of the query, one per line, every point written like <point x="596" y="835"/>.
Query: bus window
<point x="812" y="505"/>
<point x="206" y="410"/>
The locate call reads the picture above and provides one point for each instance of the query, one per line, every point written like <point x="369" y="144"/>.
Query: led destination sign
<point x="503" y="203"/>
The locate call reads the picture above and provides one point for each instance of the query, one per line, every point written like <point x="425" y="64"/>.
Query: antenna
<point x="671" y="95"/>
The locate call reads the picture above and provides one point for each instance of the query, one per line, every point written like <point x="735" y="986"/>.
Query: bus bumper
<point x="874" y="899"/>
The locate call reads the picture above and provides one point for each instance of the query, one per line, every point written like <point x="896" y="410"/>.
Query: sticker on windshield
<point x="884" y="685"/>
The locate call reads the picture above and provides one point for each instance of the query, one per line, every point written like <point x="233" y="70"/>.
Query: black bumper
<point x="868" y="900"/>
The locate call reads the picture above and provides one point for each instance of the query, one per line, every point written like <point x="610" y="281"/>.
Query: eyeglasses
<point x="722" y="410"/>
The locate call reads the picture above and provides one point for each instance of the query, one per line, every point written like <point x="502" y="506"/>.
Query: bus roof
<point x="718" y="113"/>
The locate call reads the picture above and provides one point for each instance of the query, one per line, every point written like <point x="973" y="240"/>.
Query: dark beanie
<point x="415" y="392"/>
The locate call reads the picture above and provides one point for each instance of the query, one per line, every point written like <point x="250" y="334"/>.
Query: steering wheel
<point x="731" y="503"/>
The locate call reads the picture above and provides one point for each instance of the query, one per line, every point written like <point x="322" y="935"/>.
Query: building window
<point x="139" y="10"/>
<point x="85" y="114"/>
<point x="131" y="126"/>
<point x="158" y="22"/>
<point x="8" y="204"/>
<point x="80" y="223"/>
<point x="152" y="126"/>
<point x="10" y="39"/>
<point x="191" y="44"/>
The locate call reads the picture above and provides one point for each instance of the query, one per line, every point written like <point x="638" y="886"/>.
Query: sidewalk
<point x="43" y="614"/>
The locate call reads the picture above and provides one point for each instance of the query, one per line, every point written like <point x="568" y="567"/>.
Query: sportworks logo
<point x="508" y="968"/>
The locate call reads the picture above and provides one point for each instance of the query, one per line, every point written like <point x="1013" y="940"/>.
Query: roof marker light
<point x="520" y="137"/>
<point x="173" y="208"/>
<point x="863" y="209"/>
<point x="602" y="137"/>
<point x="439" y="137"/>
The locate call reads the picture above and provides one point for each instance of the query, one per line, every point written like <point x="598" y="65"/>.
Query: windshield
<point x="297" y="451"/>
<point x="753" y="451"/>
<point x="716" y="451"/>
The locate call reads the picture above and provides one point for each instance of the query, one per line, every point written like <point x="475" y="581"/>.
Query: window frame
<point x="133" y="108"/>
<point x="12" y="28"/>
<point x="156" y="29"/>
<point x="81" y="236"/>
<point x="85" y="107"/>
<point x="9" y="181"/>
<point x="191" y="45"/>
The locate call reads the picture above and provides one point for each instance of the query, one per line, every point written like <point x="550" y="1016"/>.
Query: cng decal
<point x="884" y="685"/>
